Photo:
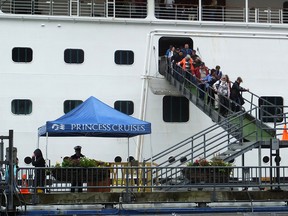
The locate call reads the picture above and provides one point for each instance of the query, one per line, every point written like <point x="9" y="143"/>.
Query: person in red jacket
<point x="188" y="68"/>
<point x="201" y="72"/>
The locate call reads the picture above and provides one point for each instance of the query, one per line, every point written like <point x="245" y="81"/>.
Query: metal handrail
<point x="144" y="179"/>
<point x="128" y="9"/>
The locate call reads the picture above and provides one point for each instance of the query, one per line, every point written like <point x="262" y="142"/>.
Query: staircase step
<point x="228" y="152"/>
<point x="241" y="147"/>
<point x="222" y="157"/>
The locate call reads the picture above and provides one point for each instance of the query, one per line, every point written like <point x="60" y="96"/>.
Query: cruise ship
<point x="55" y="54"/>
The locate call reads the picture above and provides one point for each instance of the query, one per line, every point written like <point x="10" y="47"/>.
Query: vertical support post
<point x="150" y="9"/>
<point x="1" y="150"/>
<point x="277" y="160"/>
<point x="11" y="207"/>
<point x="274" y="145"/>
<point x="246" y="11"/>
<point x="200" y="10"/>
<point x="271" y="171"/>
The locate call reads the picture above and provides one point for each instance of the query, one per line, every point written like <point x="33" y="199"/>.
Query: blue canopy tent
<point x="94" y="118"/>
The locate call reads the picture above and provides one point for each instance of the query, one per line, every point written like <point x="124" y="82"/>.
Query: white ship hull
<point x="254" y="51"/>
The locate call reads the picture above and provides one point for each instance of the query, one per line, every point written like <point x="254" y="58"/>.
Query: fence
<point x="107" y="9"/>
<point x="146" y="178"/>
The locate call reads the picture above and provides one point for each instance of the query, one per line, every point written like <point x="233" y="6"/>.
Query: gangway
<point x="243" y="130"/>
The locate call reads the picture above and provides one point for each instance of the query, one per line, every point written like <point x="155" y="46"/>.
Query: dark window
<point x="124" y="57"/>
<point x="71" y="104"/>
<point x="175" y="109"/>
<point x="126" y="107"/>
<point x="74" y="56"/>
<point x="22" y="54"/>
<point x="21" y="106"/>
<point x="271" y="109"/>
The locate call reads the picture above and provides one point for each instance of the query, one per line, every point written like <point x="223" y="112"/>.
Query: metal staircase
<point x="230" y="137"/>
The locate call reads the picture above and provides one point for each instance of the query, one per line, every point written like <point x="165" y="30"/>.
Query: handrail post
<point x="11" y="206"/>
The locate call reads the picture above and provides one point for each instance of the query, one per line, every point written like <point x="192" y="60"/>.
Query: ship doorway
<point x="163" y="46"/>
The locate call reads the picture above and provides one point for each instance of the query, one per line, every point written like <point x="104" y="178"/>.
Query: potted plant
<point x="204" y="171"/>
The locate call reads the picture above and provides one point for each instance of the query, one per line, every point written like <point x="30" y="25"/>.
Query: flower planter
<point x="103" y="186"/>
<point x="207" y="174"/>
<point x="92" y="176"/>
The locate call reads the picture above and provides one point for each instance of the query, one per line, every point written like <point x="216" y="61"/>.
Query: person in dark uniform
<point x="77" y="179"/>
<point x="236" y="95"/>
<point x="40" y="175"/>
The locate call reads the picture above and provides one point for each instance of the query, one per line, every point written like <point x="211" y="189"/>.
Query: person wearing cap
<point x="77" y="180"/>
<point x="77" y="154"/>
<point x="236" y="95"/>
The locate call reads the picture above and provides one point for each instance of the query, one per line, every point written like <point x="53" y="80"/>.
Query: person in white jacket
<point x="224" y="94"/>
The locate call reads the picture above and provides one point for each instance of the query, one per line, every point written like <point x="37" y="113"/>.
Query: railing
<point x="221" y="13"/>
<point x="138" y="179"/>
<point x="213" y="141"/>
<point x="206" y="143"/>
<point x="106" y="9"/>
<point x="86" y="8"/>
<point x="259" y="113"/>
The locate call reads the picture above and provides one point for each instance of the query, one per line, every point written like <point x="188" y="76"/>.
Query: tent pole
<point x="46" y="145"/>
<point x="128" y="151"/>
<point x="151" y="150"/>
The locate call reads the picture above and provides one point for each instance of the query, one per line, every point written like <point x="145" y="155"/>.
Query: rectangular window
<point x="22" y="54"/>
<point x="21" y="106"/>
<point x="270" y="109"/>
<point x="126" y="107"/>
<point x="175" y="109"/>
<point x="124" y="57"/>
<point x="71" y="104"/>
<point x="74" y="56"/>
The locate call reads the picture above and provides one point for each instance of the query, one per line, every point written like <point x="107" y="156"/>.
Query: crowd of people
<point x="186" y="66"/>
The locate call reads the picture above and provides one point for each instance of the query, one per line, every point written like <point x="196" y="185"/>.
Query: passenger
<point x="211" y="79"/>
<point x="40" y="175"/>
<point x="218" y="72"/>
<point x="169" y="51"/>
<point x="177" y="57"/>
<point x="77" y="180"/>
<point x="196" y="59"/>
<point x="236" y="95"/>
<point x="169" y="12"/>
<point x="224" y="94"/>
<point x="201" y="73"/>
<point x="215" y="89"/>
<point x="188" y="68"/>
<point x="169" y="4"/>
<point x="228" y="81"/>
<point x="186" y="50"/>
<point x="169" y="54"/>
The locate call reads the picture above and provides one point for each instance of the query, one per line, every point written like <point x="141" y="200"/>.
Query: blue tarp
<point x="94" y="118"/>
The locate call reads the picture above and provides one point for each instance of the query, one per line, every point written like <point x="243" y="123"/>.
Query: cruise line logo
<point x="58" y="127"/>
